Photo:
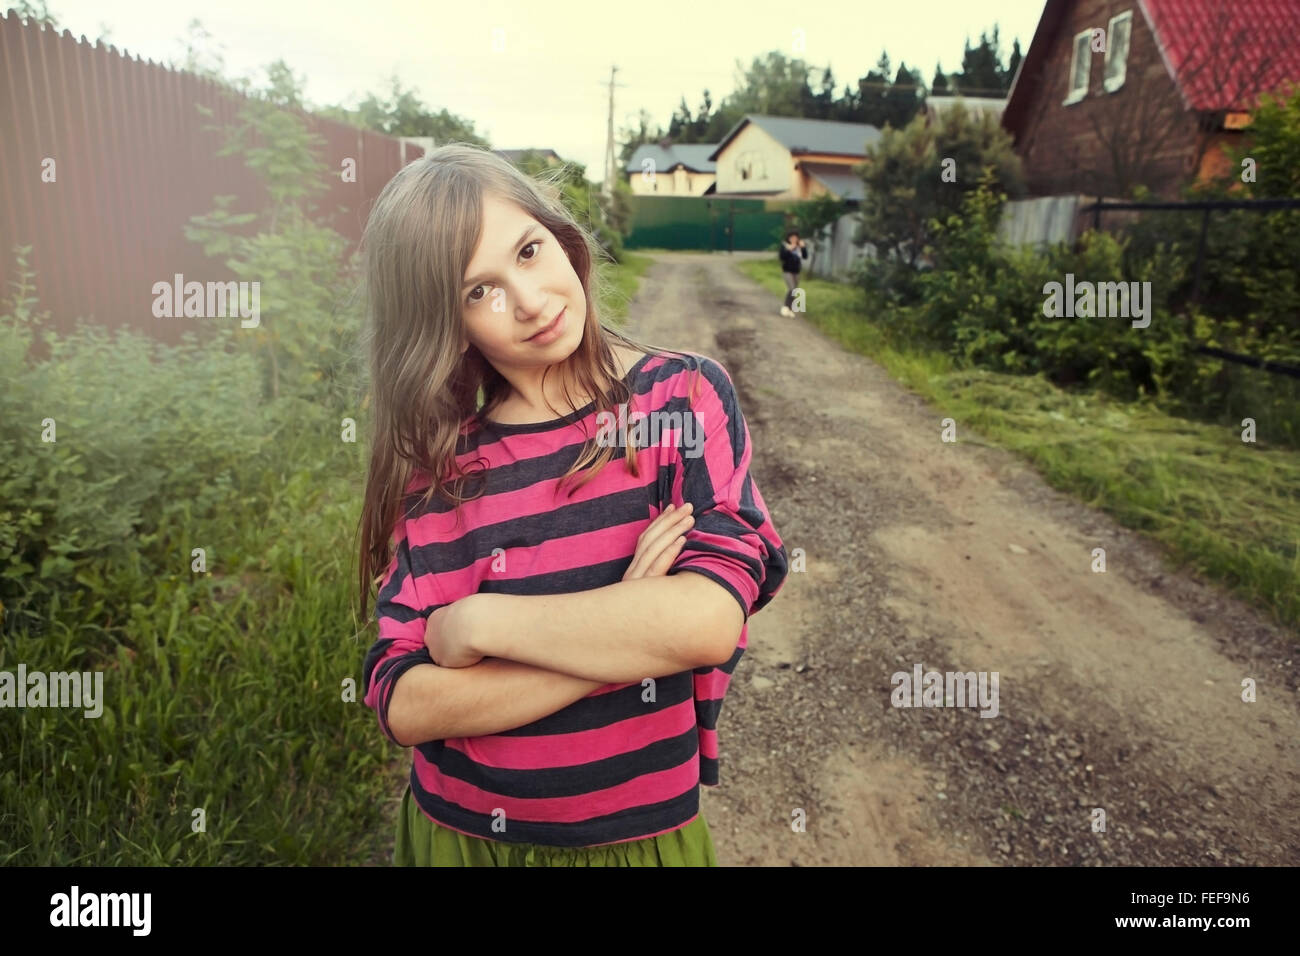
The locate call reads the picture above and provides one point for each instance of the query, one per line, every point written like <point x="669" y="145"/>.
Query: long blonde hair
<point x="418" y="241"/>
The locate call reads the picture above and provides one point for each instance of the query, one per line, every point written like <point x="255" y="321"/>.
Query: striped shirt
<point x="615" y="765"/>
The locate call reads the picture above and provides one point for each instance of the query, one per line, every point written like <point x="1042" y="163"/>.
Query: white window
<point x="1117" y="50"/>
<point x="1080" y="68"/>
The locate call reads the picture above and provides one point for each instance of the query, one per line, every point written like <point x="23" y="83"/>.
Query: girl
<point x="790" y="251"/>
<point x="557" y="678"/>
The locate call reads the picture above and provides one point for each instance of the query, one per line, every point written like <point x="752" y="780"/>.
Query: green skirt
<point x="421" y="842"/>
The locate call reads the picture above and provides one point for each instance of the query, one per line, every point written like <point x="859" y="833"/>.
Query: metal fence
<point x="1205" y="208"/>
<point x="104" y="158"/>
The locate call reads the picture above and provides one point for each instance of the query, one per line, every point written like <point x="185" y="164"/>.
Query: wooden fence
<point x="104" y="158"/>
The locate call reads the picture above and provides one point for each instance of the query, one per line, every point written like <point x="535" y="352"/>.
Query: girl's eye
<point x="471" y="300"/>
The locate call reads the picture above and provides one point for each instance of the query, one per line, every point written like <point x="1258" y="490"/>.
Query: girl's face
<point x="519" y="280"/>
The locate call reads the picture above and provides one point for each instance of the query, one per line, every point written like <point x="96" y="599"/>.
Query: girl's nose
<point x="530" y="301"/>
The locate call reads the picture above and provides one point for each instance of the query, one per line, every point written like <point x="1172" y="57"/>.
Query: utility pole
<point x="607" y="187"/>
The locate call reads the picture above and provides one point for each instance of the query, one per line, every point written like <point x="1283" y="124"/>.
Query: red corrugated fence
<point x="132" y="162"/>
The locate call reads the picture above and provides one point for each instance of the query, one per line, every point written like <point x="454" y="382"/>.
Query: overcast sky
<point x="548" y="86"/>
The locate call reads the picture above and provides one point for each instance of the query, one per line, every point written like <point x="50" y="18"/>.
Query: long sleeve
<point x="733" y="540"/>
<point x="400" y="645"/>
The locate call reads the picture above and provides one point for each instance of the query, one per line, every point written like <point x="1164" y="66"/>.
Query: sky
<point x="536" y="74"/>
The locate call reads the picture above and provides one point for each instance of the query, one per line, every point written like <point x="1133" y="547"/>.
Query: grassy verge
<point x="1228" y="509"/>
<point x="232" y="730"/>
<point x="620" y="281"/>
<point x="223" y="693"/>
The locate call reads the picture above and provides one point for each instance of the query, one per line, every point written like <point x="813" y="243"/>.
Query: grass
<point x="234" y="691"/>
<point x="621" y="282"/>
<point x="223" y="693"/>
<point x="1222" y="507"/>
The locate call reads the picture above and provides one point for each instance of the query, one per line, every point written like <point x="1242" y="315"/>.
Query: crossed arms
<point x="541" y="653"/>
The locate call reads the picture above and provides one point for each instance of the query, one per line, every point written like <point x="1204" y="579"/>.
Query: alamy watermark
<point x="1087" y="300"/>
<point x="949" y="689"/>
<point x="75" y="909"/>
<point x="54" y="689"/>
<point x="211" y="300"/>
<point x="651" y="429"/>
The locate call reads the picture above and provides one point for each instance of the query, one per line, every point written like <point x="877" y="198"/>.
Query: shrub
<point x="111" y="449"/>
<point x="910" y="185"/>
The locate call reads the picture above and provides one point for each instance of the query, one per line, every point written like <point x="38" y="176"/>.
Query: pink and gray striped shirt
<point x="614" y="766"/>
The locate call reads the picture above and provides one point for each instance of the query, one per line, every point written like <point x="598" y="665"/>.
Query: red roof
<point x="1222" y="54"/>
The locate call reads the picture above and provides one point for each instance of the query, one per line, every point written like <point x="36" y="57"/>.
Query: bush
<point x="1249" y="297"/>
<point x="983" y="304"/>
<point x="920" y="174"/>
<point x="307" y="332"/>
<point x="110" y="450"/>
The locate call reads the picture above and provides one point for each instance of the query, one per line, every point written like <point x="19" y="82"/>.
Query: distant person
<point x="791" y="250"/>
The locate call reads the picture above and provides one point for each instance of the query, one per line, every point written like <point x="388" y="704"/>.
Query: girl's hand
<point x="447" y="634"/>
<point x="660" y="543"/>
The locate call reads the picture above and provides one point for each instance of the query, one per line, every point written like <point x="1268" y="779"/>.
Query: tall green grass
<point x="224" y="688"/>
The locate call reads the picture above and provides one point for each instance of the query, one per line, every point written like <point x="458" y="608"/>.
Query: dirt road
<point x="1119" y="690"/>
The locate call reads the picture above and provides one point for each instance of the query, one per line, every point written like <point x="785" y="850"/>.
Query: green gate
<point x="704" y="223"/>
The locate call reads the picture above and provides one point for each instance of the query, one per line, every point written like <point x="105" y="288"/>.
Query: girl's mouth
<point x="551" y="332"/>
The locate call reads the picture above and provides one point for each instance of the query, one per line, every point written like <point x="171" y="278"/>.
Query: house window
<point x="1117" y="50"/>
<point x="1080" y="68"/>
<point x="750" y="165"/>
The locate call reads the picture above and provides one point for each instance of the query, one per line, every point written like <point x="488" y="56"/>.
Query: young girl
<point x="557" y="678"/>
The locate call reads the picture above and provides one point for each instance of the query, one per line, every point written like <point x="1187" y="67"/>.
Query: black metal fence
<point x="1205" y="207"/>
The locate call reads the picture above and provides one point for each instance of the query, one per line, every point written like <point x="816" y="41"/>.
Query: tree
<point x="902" y="99"/>
<point x="1013" y="64"/>
<point x="824" y="101"/>
<point x="872" y="90"/>
<point x="683" y="129"/>
<point x="632" y="138"/>
<point x="402" y="113"/>
<point x="302" y="337"/>
<point x="40" y="13"/>
<point x="34" y="13"/>
<point x="1274" y="146"/>
<point x="939" y="85"/>
<point x="776" y="86"/>
<point x="981" y="68"/>
<point x="906" y="186"/>
<point x="1272" y="281"/>
<point x="202" y="55"/>
<point x="811" y="216"/>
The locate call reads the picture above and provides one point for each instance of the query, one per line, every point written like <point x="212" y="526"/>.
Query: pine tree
<point x="874" y="88"/>
<point x="1012" y="65"/>
<point x="981" y="68"/>
<point x="902" y="100"/>
<point x="939" y="85"/>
